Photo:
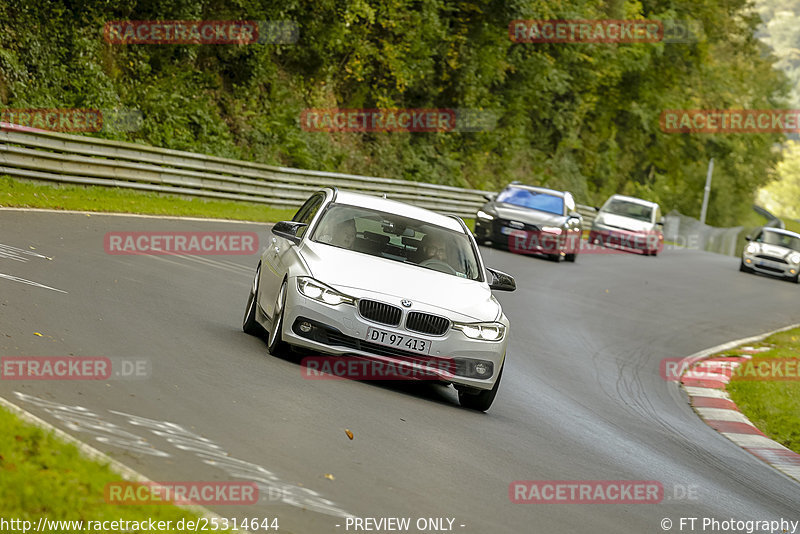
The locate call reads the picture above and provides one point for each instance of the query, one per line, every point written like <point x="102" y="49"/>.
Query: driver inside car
<point x="432" y="249"/>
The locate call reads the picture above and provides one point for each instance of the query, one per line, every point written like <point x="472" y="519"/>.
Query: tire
<point x="481" y="401"/>
<point x="554" y="257"/>
<point x="571" y="257"/>
<point x="249" y="323"/>
<point x="275" y="345"/>
<point x="744" y="269"/>
<point x="796" y="279"/>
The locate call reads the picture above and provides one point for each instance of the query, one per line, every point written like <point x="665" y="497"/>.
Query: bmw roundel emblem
<point x="405" y="302"/>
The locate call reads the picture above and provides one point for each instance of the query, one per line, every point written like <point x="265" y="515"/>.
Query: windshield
<point x="534" y="200"/>
<point x="625" y="208"/>
<point x="779" y="239"/>
<point x="392" y="237"/>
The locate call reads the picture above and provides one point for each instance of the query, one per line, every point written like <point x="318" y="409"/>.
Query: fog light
<point x="748" y="261"/>
<point x="481" y="368"/>
<point x="305" y="327"/>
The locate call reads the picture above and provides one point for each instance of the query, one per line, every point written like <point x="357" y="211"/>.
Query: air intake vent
<point x="380" y="312"/>
<point x="426" y="323"/>
<point x="765" y="257"/>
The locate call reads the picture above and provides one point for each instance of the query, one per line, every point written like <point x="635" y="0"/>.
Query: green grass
<point x="792" y="225"/>
<point x="23" y="194"/>
<point x="15" y="193"/>
<point x="42" y="476"/>
<point x="773" y="406"/>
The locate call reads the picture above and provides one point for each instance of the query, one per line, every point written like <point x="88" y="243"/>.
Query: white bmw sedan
<point x="356" y="275"/>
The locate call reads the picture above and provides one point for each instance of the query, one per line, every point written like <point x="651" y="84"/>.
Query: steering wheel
<point x="431" y="262"/>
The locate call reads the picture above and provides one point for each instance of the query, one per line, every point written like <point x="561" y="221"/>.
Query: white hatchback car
<point x="630" y="223"/>
<point x="358" y="275"/>
<point x="773" y="251"/>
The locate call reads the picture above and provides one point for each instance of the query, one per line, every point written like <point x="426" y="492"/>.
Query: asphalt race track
<point x="581" y="398"/>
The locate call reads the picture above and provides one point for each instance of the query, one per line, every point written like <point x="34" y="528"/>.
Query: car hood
<point x="625" y="223"/>
<point x="776" y="251"/>
<point x="362" y="275"/>
<point x="525" y="215"/>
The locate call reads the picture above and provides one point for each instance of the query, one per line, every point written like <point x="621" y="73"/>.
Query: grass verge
<point x="42" y="476"/>
<point x="773" y="406"/>
<point x="20" y="194"/>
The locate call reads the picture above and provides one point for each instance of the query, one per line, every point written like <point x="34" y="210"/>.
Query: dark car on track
<point x="531" y="220"/>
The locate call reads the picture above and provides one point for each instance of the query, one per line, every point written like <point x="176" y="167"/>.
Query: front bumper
<point x="528" y="239"/>
<point x="340" y="330"/>
<point x="650" y="241"/>
<point x="769" y="265"/>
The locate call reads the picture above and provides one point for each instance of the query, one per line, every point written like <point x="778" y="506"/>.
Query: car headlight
<point x="482" y="331"/>
<point x="794" y="258"/>
<point x="320" y="292"/>
<point x="551" y="229"/>
<point x="751" y="248"/>
<point x="485" y="216"/>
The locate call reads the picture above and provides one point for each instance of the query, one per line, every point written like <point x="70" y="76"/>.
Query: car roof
<point x="781" y="231"/>
<point x="554" y="192"/>
<point x="634" y="200"/>
<point x="399" y="208"/>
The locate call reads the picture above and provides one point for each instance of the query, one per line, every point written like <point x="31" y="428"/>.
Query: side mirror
<point x="490" y="196"/>
<point x="748" y="238"/>
<point x="575" y="215"/>
<point x="501" y="281"/>
<point x="288" y="230"/>
<point x="660" y="223"/>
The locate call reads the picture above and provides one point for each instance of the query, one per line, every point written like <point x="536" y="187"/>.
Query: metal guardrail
<point x="57" y="157"/>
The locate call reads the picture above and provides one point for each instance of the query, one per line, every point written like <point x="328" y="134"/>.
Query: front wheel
<point x="481" y="401"/>
<point x="276" y="346"/>
<point x="744" y="269"/>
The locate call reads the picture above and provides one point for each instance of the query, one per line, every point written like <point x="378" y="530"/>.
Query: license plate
<point x="511" y="231"/>
<point x="401" y="341"/>
<point x="761" y="263"/>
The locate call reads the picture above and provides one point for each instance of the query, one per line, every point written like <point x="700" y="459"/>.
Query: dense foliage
<point x="578" y="116"/>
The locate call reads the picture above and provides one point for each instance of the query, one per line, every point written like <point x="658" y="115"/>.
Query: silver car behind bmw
<point x="358" y="275"/>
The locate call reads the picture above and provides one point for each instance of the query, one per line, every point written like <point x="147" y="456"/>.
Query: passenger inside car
<point x="345" y="235"/>
<point x="342" y="234"/>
